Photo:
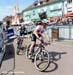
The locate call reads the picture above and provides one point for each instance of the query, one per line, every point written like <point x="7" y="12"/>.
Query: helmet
<point x="38" y="22"/>
<point x="44" y="21"/>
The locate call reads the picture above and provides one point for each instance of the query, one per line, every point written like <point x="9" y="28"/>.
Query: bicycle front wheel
<point x="42" y="60"/>
<point x="18" y="50"/>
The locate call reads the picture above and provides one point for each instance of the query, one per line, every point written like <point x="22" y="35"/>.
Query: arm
<point x="47" y="36"/>
<point x="36" y="33"/>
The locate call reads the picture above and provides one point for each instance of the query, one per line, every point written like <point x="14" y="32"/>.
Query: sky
<point x="7" y="6"/>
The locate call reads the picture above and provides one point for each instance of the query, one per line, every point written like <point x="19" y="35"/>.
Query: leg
<point x="33" y="42"/>
<point x="20" y="33"/>
<point x="30" y="53"/>
<point x="41" y="38"/>
<point x="32" y="46"/>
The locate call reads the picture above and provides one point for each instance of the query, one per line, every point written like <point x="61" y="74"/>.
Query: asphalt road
<point x="61" y="54"/>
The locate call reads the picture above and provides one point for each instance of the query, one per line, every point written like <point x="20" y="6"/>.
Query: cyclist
<point x="20" y="39"/>
<point x="37" y="34"/>
<point x="22" y="30"/>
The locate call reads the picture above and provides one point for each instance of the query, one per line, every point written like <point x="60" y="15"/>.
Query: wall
<point x="54" y="9"/>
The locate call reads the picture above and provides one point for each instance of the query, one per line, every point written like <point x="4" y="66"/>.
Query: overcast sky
<point x="7" y="6"/>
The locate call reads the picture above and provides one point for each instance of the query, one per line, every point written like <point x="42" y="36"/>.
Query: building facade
<point x="56" y="9"/>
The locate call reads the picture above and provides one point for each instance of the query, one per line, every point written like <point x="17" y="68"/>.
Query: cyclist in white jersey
<point x="37" y="34"/>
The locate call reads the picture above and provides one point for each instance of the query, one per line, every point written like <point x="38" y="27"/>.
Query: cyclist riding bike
<point x="37" y="34"/>
<point x="23" y="30"/>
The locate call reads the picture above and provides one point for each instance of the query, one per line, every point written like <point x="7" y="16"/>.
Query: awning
<point x="68" y="15"/>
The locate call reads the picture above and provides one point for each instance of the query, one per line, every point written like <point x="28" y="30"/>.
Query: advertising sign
<point x="10" y="33"/>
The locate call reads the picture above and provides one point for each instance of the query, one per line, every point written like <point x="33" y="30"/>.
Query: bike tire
<point x="18" y="50"/>
<point x="27" y="50"/>
<point x="45" y="55"/>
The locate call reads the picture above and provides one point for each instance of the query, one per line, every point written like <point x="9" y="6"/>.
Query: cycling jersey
<point x="40" y="29"/>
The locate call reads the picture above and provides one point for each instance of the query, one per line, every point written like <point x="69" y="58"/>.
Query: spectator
<point x="4" y="33"/>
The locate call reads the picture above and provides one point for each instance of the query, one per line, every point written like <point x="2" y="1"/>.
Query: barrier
<point x="10" y="33"/>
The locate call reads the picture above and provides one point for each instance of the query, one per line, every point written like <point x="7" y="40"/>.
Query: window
<point x="69" y="11"/>
<point x="41" y="2"/>
<point x="33" y="12"/>
<point x="55" y="10"/>
<point x="35" y="4"/>
<point x="43" y="15"/>
<point x="69" y="1"/>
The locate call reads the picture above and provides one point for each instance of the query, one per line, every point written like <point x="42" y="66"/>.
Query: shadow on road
<point x="9" y="54"/>
<point x="54" y="56"/>
<point x="10" y="51"/>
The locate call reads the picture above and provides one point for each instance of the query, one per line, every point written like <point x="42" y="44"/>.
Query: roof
<point x="46" y="3"/>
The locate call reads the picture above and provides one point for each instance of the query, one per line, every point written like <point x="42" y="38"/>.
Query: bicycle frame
<point x="37" y="47"/>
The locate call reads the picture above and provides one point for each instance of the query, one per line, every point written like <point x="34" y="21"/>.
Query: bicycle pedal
<point x="32" y="57"/>
<point x="41" y="59"/>
<point x="29" y="57"/>
<point x="32" y="60"/>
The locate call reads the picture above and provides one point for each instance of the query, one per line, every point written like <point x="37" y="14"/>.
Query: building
<point x="9" y="18"/>
<point x="49" y="9"/>
<point x="52" y="10"/>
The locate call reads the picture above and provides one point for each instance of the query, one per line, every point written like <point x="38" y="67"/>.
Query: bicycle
<point x="39" y="56"/>
<point x="39" y="53"/>
<point x="19" y="45"/>
<point x="20" y="40"/>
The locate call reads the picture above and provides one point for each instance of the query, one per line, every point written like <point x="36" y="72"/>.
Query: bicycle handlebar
<point x="44" y="43"/>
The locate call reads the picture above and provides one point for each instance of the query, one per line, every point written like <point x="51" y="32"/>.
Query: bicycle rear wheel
<point x="18" y="49"/>
<point x="27" y="50"/>
<point x="42" y="60"/>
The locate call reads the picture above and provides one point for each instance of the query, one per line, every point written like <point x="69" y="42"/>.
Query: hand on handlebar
<point x="41" y="40"/>
<point x="47" y="43"/>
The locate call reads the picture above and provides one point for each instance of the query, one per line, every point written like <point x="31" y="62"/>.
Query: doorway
<point x="55" y="33"/>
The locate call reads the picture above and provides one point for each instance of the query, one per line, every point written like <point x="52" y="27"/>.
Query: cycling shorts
<point x="33" y="37"/>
